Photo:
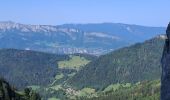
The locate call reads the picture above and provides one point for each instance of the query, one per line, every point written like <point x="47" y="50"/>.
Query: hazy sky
<point x="142" y="12"/>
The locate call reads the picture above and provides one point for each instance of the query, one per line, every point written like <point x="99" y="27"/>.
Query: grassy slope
<point x="76" y="62"/>
<point x="148" y="90"/>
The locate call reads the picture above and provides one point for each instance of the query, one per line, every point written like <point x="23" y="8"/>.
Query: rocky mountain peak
<point x="162" y="36"/>
<point x="9" y="25"/>
<point x="168" y="31"/>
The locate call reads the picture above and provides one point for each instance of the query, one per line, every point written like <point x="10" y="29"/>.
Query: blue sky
<point x="54" y="12"/>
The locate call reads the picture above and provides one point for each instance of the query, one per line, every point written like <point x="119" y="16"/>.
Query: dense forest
<point x="132" y="64"/>
<point x="24" y="68"/>
<point x="147" y="90"/>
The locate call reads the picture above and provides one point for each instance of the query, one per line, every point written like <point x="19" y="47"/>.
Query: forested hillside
<point x="85" y="77"/>
<point x="132" y="64"/>
<point x="148" y="90"/>
<point x="24" y="67"/>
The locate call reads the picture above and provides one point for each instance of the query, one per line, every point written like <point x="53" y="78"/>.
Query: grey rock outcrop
<point x="165" y="79"/>
<point x="6" y="93"/>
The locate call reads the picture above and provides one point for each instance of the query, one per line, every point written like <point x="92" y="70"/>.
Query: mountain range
<point x="49" y="60"/>
<point x="94" y="39"/>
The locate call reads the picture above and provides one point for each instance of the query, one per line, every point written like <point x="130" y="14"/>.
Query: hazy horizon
<point x="146" y="13"/>
<point x="80" y="23"/>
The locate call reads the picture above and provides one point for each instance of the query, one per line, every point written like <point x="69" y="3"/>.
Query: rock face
<point x="165" y="79"/>
<point x="6" y="93"/>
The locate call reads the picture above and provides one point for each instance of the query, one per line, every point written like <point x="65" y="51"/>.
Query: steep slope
<point x="28" y="67"/>
<point x="165" y="81"/>
<point x="24" y="67"/>
<point x="7" y="93"/>
<point x="132" y="64"/>
<point x="75" y="38"/>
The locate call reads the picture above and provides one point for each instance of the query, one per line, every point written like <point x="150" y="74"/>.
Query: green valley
<point x="130" y="73"/>
<point x="84" y="50"/>
<point x="134" y="75"/>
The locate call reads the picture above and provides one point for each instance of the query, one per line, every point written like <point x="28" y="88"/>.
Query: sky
<point x="56" y="12"/>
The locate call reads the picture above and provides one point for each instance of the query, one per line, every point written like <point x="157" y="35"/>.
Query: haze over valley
<point x="96" y="39"/>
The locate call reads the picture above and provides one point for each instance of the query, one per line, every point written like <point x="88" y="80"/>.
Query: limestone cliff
<point x="7" y="93"/>
<point x="165" y="79"/>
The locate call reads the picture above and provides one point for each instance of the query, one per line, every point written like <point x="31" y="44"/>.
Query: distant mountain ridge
<point x="73" y="38"/>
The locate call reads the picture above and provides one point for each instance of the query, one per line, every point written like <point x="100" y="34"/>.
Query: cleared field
<point x="86" y="92"/>
<point x="114" y="87"/>
<point x="34" y="87"/>
<point x="75" y="62"/>
<point x="57" y="77"/>
<point x="53" y="99"/>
